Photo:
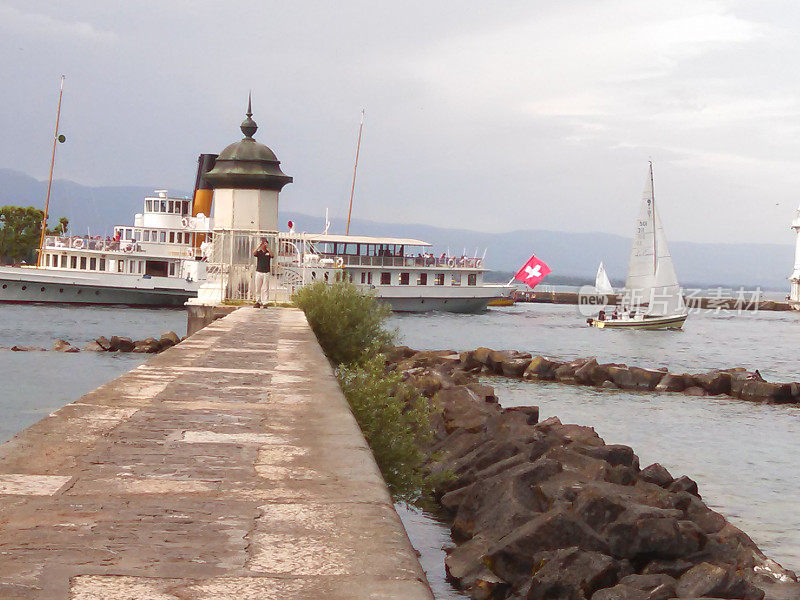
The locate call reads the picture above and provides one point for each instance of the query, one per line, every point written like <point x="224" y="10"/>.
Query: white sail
<point x="651" y="275"/>
<point x="601" y="283"/>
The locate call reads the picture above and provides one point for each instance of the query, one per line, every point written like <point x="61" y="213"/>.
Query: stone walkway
<point x="227" y="467"/>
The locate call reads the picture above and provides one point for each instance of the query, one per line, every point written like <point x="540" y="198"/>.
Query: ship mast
<point x="50" y="178"/>
<point x="355" y="169"/>
<point x="653" y="218"/>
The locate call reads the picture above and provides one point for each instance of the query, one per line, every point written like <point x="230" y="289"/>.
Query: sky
<point x="492" y="116"/>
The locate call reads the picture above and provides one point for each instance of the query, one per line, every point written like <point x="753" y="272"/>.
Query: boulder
<point x="469" y="363"/>
<point x="714" y="382"/>
<point x="27" y="349"/>
<point x="481" y="355"/>
<point x="566" y="374"/>
<point x="640" y="587"/>
<point x="461" y="410"/>
<point x="635" y="378"/>
<point x="695" y="390"/>
<point x="483" y="392"/>
<point x="529" y="413"/>
<point x="494" y="362"/>
<point x="614" y="454"/>
<point x="715" y="581"/>
<point x="120" y="344"/>
<point x="575" y="574"/>
<point x="93" y="347"/>
<point x="684" y="484"/>
<point x="656" y="474"/>
<point x="393" y="355"/>
<point x="541" y="368"/>
<point x="64" y="346"/>
<point x="514" y="367"/>
<point x="512" y="556"/>
<point x="146" y="346"/>
<point x="764" y="391"/>
<point x="103" y="342"/>
<point x="646" y="532"/>
<point x="671" y="383"/>
<point x="170" y="338"/>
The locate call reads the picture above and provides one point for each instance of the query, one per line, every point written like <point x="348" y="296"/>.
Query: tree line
<point x="20" y="232"/>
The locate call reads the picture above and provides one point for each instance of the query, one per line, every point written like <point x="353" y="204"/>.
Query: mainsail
<point x="601" y="283"/>
<point x="651" y="275"/>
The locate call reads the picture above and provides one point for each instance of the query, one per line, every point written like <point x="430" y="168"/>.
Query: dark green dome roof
<point x="247" y="163"/>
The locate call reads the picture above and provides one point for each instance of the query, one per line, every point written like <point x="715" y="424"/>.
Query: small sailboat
<point x="602" y="285"/>
<point x="652" y="298"/>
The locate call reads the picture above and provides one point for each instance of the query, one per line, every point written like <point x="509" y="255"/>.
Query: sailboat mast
<point x="50" y="178"/>
<point x="355" y="169"/>
<point x="653" y="218"/>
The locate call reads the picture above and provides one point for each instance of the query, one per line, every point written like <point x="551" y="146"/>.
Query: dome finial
<point x="249" y="126"/>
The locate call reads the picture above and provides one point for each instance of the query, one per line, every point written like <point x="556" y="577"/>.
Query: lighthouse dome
<point x="247" y="163"/>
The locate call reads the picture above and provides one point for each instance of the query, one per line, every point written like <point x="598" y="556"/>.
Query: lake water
<point x="741" y="454"/>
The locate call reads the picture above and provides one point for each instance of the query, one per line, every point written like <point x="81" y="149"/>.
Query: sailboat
<point x="602" y="285"/>
<point x="653" y="298"/>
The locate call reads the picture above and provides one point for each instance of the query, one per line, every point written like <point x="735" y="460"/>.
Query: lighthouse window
<point x="472" y="279"/>
<point x="422" y="279"/>
<point x="92" y="264"/>
<point x="438" y="279"/>
<point x="73" y="262"/>
<point x="403" y="278"/>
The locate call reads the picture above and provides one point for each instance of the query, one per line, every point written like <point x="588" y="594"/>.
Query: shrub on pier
<point x="348" y="323"/>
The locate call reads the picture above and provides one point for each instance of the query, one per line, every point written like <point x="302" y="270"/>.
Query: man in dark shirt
<point x="263" y="266"/>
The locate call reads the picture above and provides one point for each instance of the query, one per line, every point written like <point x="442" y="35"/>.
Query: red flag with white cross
<point x="532" y="272"/>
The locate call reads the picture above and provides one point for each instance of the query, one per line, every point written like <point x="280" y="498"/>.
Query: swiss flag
<point x="532" y="272"/>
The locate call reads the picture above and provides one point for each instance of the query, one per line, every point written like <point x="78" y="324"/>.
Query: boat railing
<point x="90" y="243"/>
<point x="449" y="262"/>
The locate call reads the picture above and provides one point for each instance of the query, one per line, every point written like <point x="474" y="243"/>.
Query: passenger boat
<point x="652" y="298"/>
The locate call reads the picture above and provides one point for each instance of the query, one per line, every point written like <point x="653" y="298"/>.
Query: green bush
<point x="396" y="422"/>
<point x="347" y="322"/>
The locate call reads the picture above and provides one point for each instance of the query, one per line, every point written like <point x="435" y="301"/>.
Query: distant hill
<point x="572" y="256"/>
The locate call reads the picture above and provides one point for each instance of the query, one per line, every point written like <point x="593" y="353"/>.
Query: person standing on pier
<point x="263" y="265"/>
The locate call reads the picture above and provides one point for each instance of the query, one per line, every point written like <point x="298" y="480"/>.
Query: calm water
<point x="743" y="455"/>
<point x="36" y="383"/>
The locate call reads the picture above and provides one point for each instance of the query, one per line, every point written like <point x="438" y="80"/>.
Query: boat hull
<point x="22" y="286"/>
<point x="453" y="299"/>
<point x="670" y="322"/>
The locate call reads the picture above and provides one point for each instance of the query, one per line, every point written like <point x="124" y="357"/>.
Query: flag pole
<point x="50" y="178"/>
<point x="355" y="169"/>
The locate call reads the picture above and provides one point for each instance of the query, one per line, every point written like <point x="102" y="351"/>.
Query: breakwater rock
<point x="736" y="382"/>
<point x="543" y="509"/>
<point x="115" y="344"/>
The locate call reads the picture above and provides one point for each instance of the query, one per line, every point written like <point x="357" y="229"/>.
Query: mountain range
<point x="570" y="255"/>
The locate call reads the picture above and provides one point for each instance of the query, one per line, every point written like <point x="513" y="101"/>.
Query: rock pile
<point x="115" y="344"/>
<point x="737" y="382"/>
<point x="549" y="510"/>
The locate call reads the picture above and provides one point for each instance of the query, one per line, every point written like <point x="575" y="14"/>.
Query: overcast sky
<point x="480" y="115"/>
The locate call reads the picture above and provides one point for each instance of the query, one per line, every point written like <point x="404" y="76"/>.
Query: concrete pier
<point x="229" y="466"/>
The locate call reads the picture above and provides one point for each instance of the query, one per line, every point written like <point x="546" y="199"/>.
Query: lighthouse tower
<point x="794" y="278"/>
<point x="247" y="179"/>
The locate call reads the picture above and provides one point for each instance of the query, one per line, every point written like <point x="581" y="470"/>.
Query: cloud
<point x="36" y="25"/>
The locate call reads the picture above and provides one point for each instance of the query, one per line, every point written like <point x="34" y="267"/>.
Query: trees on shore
<point x="20" y="232"/>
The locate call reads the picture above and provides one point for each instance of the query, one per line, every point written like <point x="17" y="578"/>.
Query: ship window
<point x="55" y="260"/>
<point x="47" y="260"/>
<point x="102" y="264"/>
<point x="185" y="207"/>
<point x="351" y="249"/>
<point x="438" y="279"/>
<point x="83" y="262"/>
<point x="386" y="278"/>
<point x="171" y="237"/>
<point x="472" y="279"/>
<point x="403" y="278"/>
<point x="363" y="277"/>
<point x="120" y="266"/>
<point x="369" y="277"/>
<point x="455" y="279"/>
<point x="73" y="262"/>
<point x="172" y="268"/>
<point x="92" y="264"/>
<point x="64" y="261"/>
<point x="422" y="279"/>
<point x="146" y="235"/>
<point x="171" y="207"/>
<point x="141" y="265"/>
<point x="163" y="236"/>
<point x="179" y="237"/>
<point x="163" y="206"/>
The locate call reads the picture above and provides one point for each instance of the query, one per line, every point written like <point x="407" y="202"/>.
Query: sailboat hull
<point x="668" y="322"/>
